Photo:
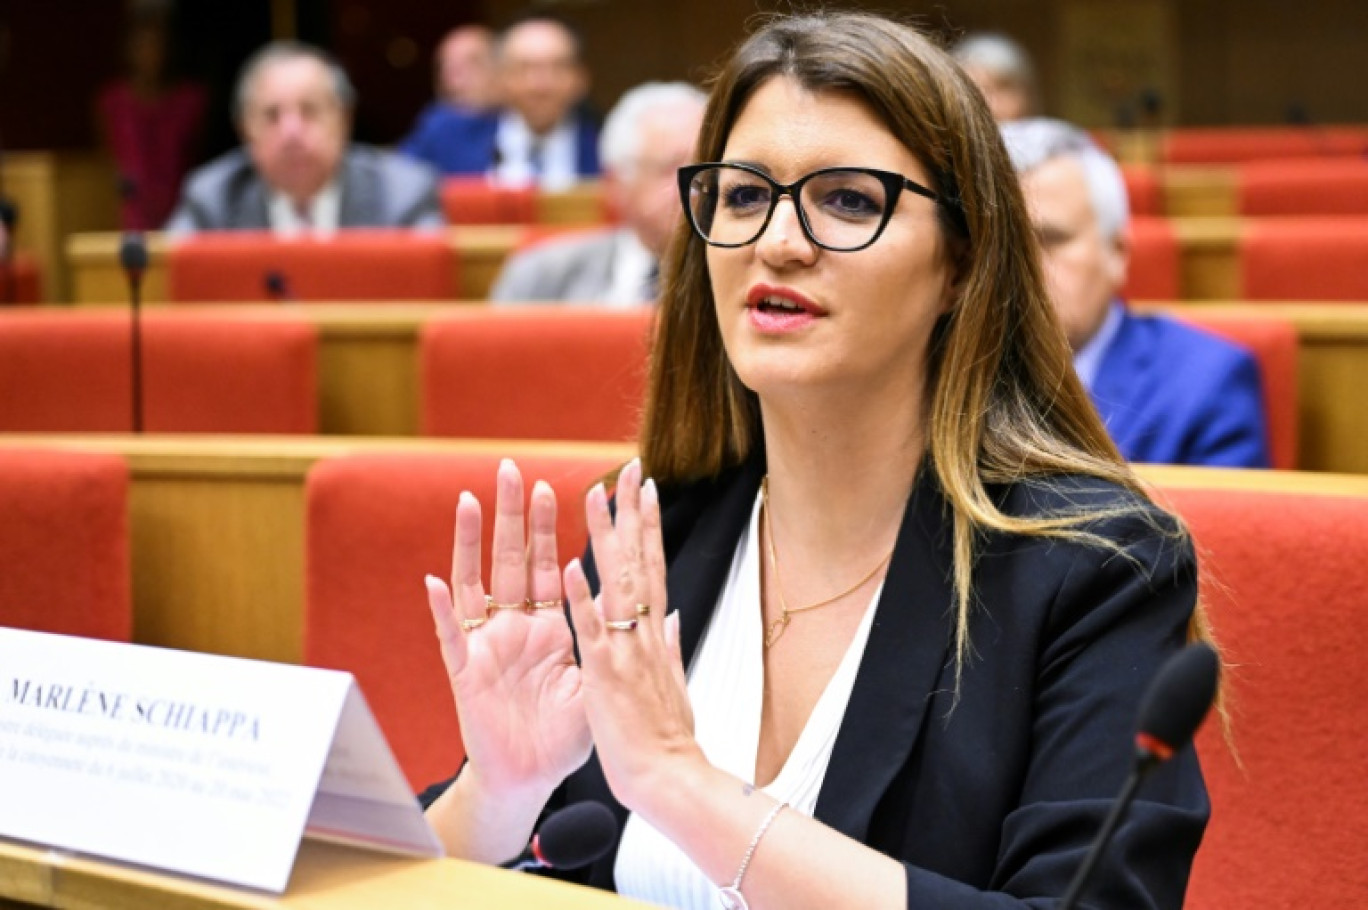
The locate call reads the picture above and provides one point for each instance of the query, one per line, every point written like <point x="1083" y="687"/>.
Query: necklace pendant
<point x="776" y="629"/>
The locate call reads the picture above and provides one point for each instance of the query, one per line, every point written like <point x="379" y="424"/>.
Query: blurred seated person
<point x="298" y="171"/>
<point x="542" y="136"/>
<point x="465" y="75"/>
<point x="1168" y="393"/>
<point x="151" y="122"/>
<point x="649" y="134"/>
<point x="871" y="617"/>
<point x="1002" y="70"/>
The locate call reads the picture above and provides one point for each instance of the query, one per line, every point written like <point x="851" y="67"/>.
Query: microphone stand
<point x="133" y="258"/>
<point x="1144" y="763"/>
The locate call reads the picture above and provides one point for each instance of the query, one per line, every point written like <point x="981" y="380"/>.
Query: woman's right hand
<point x="514" y="676"/>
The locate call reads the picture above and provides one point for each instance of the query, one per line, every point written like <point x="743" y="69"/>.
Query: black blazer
<point x="991" y="798"/>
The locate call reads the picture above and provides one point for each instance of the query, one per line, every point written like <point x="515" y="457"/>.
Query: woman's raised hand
<point x="508" y="650"/>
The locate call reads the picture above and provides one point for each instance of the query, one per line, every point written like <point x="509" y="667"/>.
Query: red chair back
<point x="21" y="281"/>
<point x="64" y="563"/>
<point x="376" y="525"/>
<point x="1153" y="273"/>
<point x="71" y="371"/>
<point x="1283" y="576"/>
<point x="1143" y="190"/>
<point x="366" y="264"/>
<point x="1229" y="145"/>
<point x="1304" y="259"/>
<point x="1304" y="186"/>
<point x="1273" y="342"/>
<point x="535" y="373"/>
<point x="474" y="200"/>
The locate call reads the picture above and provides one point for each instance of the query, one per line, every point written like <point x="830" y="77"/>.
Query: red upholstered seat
<point x="474" y="200"/>
<point x="1284" y="576"/>
<point x="1304" y="186"/>
<point x="1307" y="258"/>
<point x="370" y="264"/>
<point x="1273" y="342"/>
<point x="1142" y="189"/>
<point x="376" y="525"/>
<point x="1228" y="145"/>
<point x="1153" y="273"/>
<point x="535" y="373"/>
<point x="64" y="564"/>
<point x="70" y="371"/>
<point x="21" y="281"/>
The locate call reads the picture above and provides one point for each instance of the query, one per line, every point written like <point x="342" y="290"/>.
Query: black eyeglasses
<point x="842" y="209"/>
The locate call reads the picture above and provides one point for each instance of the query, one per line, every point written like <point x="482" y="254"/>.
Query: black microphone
<point x="569" y="838"/>
<point x="9" y="217"/>
<point x="277" y="285"/>
<point x="1170" y="713"/>
<point x="133" y="259"/>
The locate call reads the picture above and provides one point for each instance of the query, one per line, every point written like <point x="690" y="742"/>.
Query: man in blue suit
<point x="1168" y="393"/>
<point x="541" y="136"/>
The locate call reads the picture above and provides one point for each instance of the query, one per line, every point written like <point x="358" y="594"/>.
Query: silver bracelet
<point x="730" y="896"/>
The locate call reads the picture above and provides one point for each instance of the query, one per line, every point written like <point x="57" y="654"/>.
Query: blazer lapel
<point x="1114" y="386"/>
<point x="251" y="213"/>
<point x="902" y="663"/>
<point x="360" y="203"/>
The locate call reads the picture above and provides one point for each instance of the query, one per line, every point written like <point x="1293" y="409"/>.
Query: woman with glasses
<point x="870" y="618"/>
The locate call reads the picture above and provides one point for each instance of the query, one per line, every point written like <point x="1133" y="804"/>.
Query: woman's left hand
<point x="634" y="689"/>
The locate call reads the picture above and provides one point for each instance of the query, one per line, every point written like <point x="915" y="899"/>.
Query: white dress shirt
<point x="1088" y="359"/>
<point x="321" y="218"/>
<point x="557" y="154"/>
<point x="726" y="689"/>
<point x="633" y="268"/>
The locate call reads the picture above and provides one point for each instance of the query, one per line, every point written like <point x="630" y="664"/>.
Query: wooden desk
<point x="97" y="279"/>
<point x="1192" y="190"/>
<point x="326" y="877"/>
<point x="217" y="529"/>
<point x="58" y="194"/>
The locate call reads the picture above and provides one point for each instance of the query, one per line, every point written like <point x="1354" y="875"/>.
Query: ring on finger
<point x="621" y="625"/>
<point x="643" y="609"/>
<point x="492" y="604"/>
<point x="470" y="625"/>
<point x="557" y="604"/>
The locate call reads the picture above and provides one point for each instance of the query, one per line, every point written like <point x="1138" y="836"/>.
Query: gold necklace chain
<point x="777" y="627"/>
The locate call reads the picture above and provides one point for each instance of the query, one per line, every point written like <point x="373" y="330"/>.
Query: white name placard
<point x="192" y="763"/>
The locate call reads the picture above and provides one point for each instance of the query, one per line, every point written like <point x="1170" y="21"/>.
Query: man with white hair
<point x="1168" y="393"/>
<point x="650" y="133"/>
<point x="298" y="171"/>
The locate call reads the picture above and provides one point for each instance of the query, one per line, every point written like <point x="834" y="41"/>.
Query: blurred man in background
<point x="650" y="133"/>
<point x="1168" y="393"/>
<point x="1003" y="72"/>
<point x="298" y="172"/>
<point x="464" y="71"/>
<point x="541" y="136"/>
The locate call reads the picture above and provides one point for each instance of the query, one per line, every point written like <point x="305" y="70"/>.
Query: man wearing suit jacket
<point x="542" y="136"/>
<point x="1167" y="392"/>
<point x="297" y="171"/>
<point x="648" y="136"/>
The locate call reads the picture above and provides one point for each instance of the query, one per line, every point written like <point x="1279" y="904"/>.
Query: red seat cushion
<point x="474" y="200"/>
<point x="64" y="563"/>
<point x="1227" y="145"/>
<point x="535" y="373"/>
<point x="1273" y="342"/>
<point x="376" y="525"/>
<point x="369" y="264"/>
<point x="1308" y="258"/>
<point x="1304" y="186"/>
<point x="1143" y="190"/>
<point x="71" y="371"/>
<point x="1153" y="273"/>
<point x="1284" y="575"/>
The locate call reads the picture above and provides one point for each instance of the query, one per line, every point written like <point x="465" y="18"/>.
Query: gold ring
<point x="643" y="609"/>
<point x="491" y="604"/>
<point x="557" y="604"/>
<point x="621" y="625"/>
<point x="470" y="625"/>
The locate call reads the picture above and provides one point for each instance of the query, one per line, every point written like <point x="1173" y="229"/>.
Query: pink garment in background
<point x="154" y="143"/>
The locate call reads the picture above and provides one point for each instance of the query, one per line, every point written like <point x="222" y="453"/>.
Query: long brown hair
<point x="1003" y="401"/>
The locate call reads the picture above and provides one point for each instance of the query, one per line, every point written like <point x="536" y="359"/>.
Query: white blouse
<point x="726" y="682"/>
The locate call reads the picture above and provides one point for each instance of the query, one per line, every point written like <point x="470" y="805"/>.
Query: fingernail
<point x="541" y="486"/>
<point x="649" y="496"/>
<point x="506" y="463"/>
<point x="598" y="496"/>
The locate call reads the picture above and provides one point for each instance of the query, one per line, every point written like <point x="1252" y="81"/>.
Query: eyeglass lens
<point x="844" y="209"/>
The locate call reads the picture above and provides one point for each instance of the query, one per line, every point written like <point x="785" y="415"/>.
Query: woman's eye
<point x="746" y="196"/>
<point x="850" y="203"/>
